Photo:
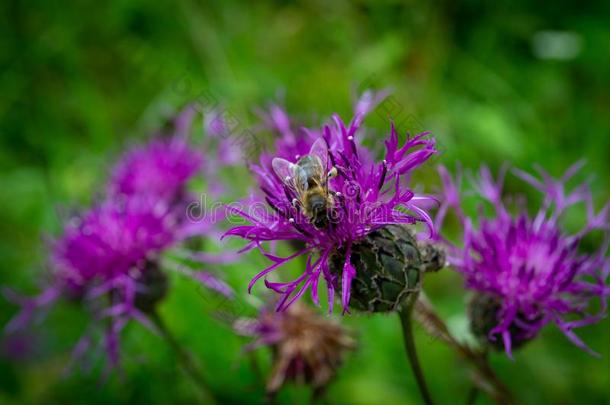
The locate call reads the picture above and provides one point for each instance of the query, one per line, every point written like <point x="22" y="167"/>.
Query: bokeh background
<point x="519" y="81"/>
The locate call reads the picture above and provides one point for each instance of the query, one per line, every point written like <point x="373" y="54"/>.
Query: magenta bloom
<point x="364" y="196"/>
<point x="110" y="262"/>
<point x="160" y="169"/>
<point x="290" y="140"/>
<point x="111" y="241"/>
<point x="527" y="270"/>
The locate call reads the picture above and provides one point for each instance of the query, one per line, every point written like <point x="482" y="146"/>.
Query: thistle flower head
<point x="109" y="261"/>
<point x="527" y="271"/>
<point x="307" y="348"/>
<point x="292" y="139"/>
<point x="390" y="263"/>
<point x="362" y="198"/>
<point x="161" y="169"/>
<point x="115" y="240"/>
<point x="109" y="258"/>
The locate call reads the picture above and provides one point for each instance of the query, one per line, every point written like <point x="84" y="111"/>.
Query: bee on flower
<point x="327" y="194"/>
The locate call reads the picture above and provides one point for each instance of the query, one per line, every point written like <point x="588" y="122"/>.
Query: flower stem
<point x="185" y="359"/>
<point x="473" y="393"/>
<point x="484" y="377"/>
<point x="406" y="321"/>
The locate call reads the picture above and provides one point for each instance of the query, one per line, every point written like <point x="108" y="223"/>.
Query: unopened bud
<point x="389" y="268"/>
<point x="154" y="286"/>
<point x="484" y="312"/>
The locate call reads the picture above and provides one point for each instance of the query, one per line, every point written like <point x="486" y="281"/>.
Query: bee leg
<point x="296" y="204"/>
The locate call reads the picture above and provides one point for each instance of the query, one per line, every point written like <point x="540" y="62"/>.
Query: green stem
<point x="406" y="321"/>
<point x="484" y="377"/>
<point x="473" y="393"/>
<point x="185" y="359"/>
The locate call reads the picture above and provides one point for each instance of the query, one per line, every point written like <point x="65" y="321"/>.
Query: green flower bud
<point x="389" y="268"/>
<point x="154" y="284"/>
<point x="484" y="313"/>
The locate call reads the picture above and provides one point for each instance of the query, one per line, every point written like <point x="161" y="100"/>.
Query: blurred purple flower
<point x="109" y="259"/>
<point x="367" y="195"/>
<point x="163" y="166"/>
<point x="109" y="262"/>
<point x="160" y="169"/>
<point x="527" y="270"/>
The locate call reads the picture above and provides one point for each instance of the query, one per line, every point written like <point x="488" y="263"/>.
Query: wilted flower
<point x="528" y="271"/>
<point x="364" y="197"/>
<point x="307" y="348"/>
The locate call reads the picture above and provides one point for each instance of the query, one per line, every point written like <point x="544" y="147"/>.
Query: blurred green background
<point x="519" y="81"/>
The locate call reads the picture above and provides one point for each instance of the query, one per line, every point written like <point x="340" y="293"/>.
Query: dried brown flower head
<point x="307" y="348"/>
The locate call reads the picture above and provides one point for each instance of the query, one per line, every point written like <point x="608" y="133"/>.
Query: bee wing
<point x="291" y="174"/>
<point x="284" y="169"/>
<point x="320" y="150"/>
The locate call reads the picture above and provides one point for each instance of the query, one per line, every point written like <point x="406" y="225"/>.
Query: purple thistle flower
<point x="528" y="271"/>
<point x="163" y="166"/>
<point x="366" y="196"/>
<point x="102" y="261"/>
<point x="109" y="261"/>
<point x="160" y="168"/>
<point x="307" y="348"/>
<point x="112" y="240"/>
